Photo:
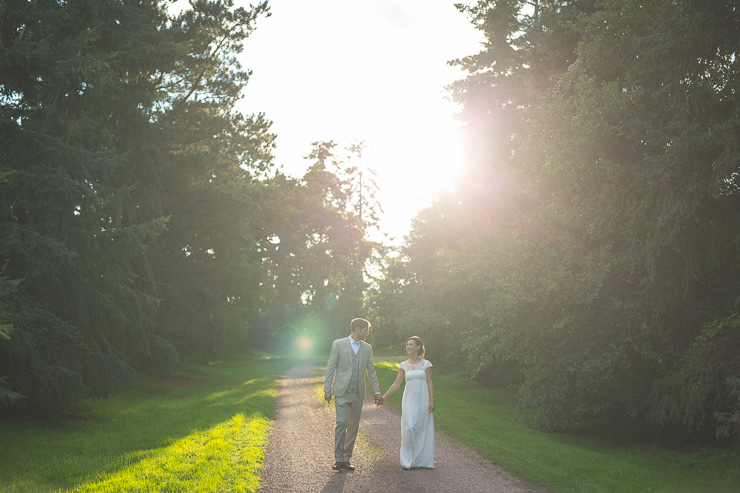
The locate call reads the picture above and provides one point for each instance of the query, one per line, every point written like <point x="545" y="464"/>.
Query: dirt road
<point x="300" y="452"/>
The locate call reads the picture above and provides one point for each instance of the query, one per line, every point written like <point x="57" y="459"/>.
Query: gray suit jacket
<point x="339" y="367"/>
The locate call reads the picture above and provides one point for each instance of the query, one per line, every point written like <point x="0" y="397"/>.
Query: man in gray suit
<point x="350" y="358"/>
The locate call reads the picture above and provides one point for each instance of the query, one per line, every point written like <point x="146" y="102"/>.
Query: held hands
<point x="379" y="400"/>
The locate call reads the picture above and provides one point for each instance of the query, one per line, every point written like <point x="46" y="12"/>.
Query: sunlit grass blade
<point x="226" y="457"/>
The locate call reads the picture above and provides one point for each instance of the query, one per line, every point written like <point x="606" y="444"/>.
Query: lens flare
<point x="305" y="345"/>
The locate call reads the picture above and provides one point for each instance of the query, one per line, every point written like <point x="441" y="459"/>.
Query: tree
<point x="208" y="260"/>
<point x="597" y="244"/>
<point x="317" y="250"/>
<point x="100" y="102"/>
<point x="632" y="177"/>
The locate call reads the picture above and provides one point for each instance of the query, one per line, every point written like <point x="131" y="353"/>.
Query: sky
<point x="364" y="70"/>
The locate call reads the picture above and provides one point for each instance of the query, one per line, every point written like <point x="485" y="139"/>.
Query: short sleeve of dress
<point x="427" y="364"/>
<point x="402" y="366"/>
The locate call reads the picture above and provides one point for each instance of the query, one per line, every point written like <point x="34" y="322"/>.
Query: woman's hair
<point x="417" y="340"/>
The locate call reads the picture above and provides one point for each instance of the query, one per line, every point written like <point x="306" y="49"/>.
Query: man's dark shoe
<point x="348" y="467"/>
<point x="338" y="465"/>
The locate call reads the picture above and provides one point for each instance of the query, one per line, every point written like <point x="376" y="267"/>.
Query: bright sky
<point x="367" y="70"/>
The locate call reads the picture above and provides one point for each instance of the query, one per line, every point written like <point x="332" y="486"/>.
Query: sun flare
<point x="344" y="83"/>
<point x="418" y="159"/>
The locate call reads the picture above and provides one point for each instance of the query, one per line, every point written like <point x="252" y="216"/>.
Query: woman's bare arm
<point x="395" y="385"/>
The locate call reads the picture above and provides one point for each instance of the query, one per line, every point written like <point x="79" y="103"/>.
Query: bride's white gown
<point x="417" y="423"/>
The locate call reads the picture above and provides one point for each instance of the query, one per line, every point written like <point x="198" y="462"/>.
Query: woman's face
<point x="411" y="348"/>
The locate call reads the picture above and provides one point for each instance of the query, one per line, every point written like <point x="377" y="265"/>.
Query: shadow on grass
<point x="137" y="425"/>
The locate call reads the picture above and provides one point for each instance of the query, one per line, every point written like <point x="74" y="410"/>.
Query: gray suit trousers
<point x="349" y="409"/>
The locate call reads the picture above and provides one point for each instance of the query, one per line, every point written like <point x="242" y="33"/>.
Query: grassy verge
<point x="204" y="432"/>
<point x="385" y="353"/>
<point x="487" y="420"/>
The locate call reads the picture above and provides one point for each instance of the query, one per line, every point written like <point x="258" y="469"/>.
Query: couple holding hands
<point x="349" y="360"/>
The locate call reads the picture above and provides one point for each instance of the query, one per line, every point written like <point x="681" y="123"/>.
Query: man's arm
<point x="331" y="367"/>
<point x="374" y="379"/>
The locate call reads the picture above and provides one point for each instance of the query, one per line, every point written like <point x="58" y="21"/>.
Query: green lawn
<point x="205" y="433"/>
<point x="487" y="420"/>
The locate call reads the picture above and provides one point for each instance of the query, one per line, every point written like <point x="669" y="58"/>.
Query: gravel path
<point x="300" y="451"/>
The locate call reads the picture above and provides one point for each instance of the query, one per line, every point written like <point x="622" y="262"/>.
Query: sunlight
<point x="190" y="463"/>
<point x="305" y="345"/>
<point x="386" y="91"/>
<point x="419" y="158"/>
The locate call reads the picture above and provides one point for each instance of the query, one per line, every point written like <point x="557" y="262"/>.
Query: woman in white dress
<point x="417" y="418"/>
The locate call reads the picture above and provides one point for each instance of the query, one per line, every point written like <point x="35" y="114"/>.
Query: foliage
<point x="67" y="204"/>
<point x="112" y="113"/>
<point x="8" y="289"/>
<point x="142" y="212"/>
<point x="207" y="262"/>
<point x="729" y="421"/>
<point x="317" y="255"/>
<point x="595" y="234"/>
<point x="705" y="384"/>
<point x="385" y="302"/>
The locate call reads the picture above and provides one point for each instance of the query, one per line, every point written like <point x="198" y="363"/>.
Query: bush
<point x="702" y="394"/>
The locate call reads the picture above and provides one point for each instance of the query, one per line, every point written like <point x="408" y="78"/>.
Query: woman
<point x="417" y="420"/>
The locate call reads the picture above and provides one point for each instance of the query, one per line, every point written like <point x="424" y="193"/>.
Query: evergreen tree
<point x="107" y="111"/>
<point x="594" y="240"/>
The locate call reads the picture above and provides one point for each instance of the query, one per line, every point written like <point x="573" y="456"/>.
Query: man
<point x="350" y="358"/>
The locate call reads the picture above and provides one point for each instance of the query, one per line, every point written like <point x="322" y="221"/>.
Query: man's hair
<point x="358" y="323"/>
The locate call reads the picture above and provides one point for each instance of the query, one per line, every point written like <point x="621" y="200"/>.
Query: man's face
<point x="363" y="332"/>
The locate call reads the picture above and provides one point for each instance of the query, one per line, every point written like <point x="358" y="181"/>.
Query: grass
<point x="487" y="420"/>
<point x="385" y="353"/>
<point x="205" y="433"/>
